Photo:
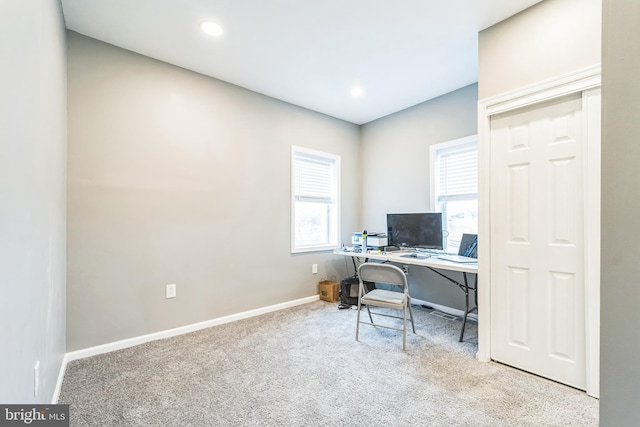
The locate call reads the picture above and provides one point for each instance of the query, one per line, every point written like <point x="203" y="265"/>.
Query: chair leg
<point x="413" y="325"/>
<point x="358" y="321"/>
<point x="369" y="311"/>
<point x="404" y="330"/>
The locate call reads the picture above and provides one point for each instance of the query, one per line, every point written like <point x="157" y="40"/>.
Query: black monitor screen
<point x="415" y="230"/>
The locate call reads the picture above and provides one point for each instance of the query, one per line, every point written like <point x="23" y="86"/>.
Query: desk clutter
<point x="372" y="240"/>
<point x="376" y="244"/>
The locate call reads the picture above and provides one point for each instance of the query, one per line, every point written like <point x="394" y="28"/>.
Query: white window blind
<point x="315" y="178"/>
<point x="457" y="172"/>
<point x="455" y="188"/>
<point x="315" y="200"/>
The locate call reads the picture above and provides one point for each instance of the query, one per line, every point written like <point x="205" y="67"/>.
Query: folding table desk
<point x="433" y="263"/>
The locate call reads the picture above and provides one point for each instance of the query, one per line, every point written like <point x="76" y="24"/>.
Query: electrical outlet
<point x="405" y="268"/>
<point x="314" y="268"/>
<point x="36" y="378"/>
<point x="171" y="291"/>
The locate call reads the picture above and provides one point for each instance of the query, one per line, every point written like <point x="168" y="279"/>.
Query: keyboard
<point x="414" y="255"/>
<point x="458" y="258"/>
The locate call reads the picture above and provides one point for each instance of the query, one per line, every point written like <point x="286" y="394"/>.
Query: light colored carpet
<point x="303" y="367"/>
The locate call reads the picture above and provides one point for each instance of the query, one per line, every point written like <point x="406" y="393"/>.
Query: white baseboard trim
<point x="130" y="342"/>
<point x="63" y="370"/>
<point x="445" y="309"/>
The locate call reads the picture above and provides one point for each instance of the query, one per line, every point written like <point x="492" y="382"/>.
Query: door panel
<point x="518" y="288"/>
<point x="537" y="253"/>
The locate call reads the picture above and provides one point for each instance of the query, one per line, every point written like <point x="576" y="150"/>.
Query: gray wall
<point x="396" y="172"/>
<point x="549" y="39"/>
<point x="174" y="177"/>
<point x="620" y="293"/>
<point x="32" y="198"/>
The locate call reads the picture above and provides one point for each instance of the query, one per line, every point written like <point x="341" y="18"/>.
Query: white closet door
<point x="537" y="248"/>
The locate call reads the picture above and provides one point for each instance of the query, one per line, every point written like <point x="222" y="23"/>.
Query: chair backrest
<point x="382" y="273"/>
<point x="469" y="245"/>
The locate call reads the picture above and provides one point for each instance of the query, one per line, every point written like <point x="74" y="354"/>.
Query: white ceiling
<point x="309" y="53"/>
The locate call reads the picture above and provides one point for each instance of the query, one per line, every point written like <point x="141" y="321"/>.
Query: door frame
<point x="588" y="82"/>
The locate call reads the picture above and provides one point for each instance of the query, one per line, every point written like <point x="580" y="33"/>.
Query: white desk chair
<point x="392" y="275"/>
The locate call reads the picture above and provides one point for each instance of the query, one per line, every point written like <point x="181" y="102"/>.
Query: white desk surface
<point x="433" y="261"/>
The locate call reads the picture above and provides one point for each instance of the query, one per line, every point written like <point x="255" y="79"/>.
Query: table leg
<point x="466" y="308"/>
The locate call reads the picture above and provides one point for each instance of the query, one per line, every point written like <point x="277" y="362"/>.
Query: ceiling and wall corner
<point x="311" y="54"/>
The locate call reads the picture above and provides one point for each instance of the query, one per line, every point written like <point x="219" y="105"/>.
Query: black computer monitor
<point x="415" y="230"/>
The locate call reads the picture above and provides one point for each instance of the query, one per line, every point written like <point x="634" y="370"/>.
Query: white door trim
<point x="591" y="101"/>
<point x="587" y="81"/>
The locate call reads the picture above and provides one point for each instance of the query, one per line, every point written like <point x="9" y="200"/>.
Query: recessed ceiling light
<point x="211" y="28"/>
<point x="357" y="91"/>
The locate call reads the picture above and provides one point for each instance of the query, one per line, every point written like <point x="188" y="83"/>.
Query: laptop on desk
<point x="468" y="252"/>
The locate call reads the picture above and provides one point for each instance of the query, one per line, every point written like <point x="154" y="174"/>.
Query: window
<point x="454" y="186"/>
<point x="315" y="210"/>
